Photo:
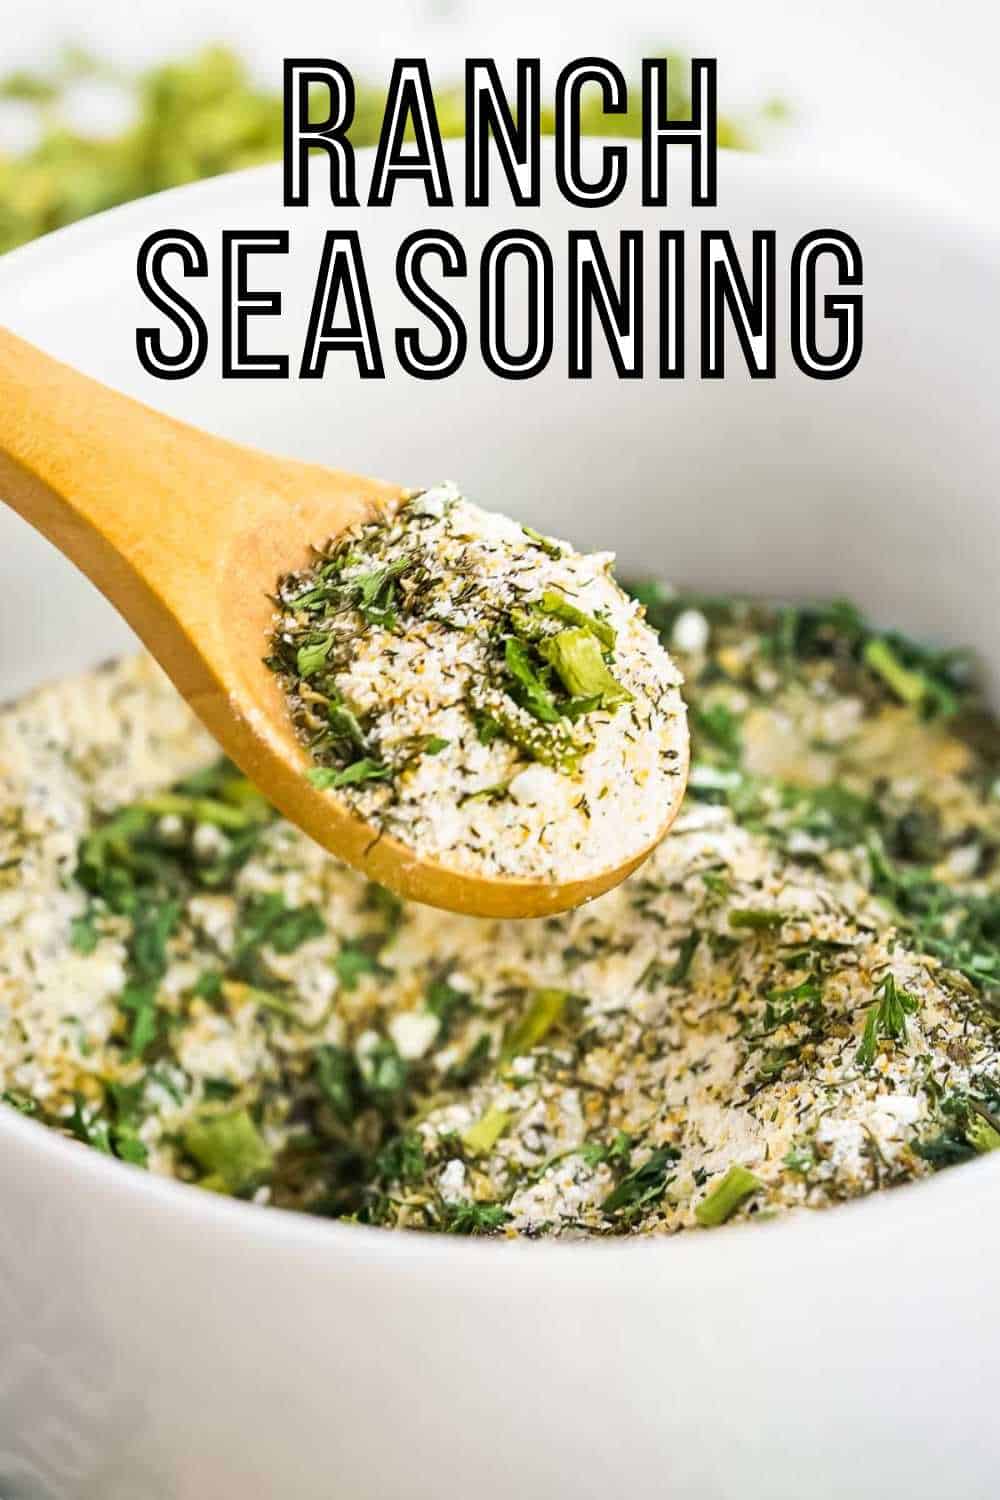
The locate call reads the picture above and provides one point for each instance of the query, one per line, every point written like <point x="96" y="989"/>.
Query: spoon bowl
<point x="187" y="534"/>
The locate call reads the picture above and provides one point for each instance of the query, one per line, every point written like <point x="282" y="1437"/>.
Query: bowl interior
<point x="880" y="487"/>
<point x="713" y="1365"/>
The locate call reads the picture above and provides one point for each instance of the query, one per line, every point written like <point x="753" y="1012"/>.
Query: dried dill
<point x="419" y="639"/>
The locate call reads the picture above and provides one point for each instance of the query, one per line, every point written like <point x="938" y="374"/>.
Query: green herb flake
<point x="753" y="919"/>
<point x="127" y="1103"/>
<point x="493" y="793"/>
<point x="208" y="985"/>
<point x="83" y="934"/>
<point x="210" y="810"/>
<point x="800" y="1159"/>
<point x="789" y="1003"/>
<point x="480" y="1137"/>
<point x="352" y="963"/>
<point x="23" y="1103"/>
<point x="721" y="727"/>
<point x="949" y="1148"/>
<point x="643" y="1187"/>
<point x="474" y="1218"/>
<point x="376" y="593"/>
<point x="555" y="603"/>
<point x="547" y="544"/>
<point x="576" y="656"/>
<point x="401" y="1160"/>
<point x="685" y="956"/>
<point x="487" y="727"/>
<point x="268" y="920"/>
<point x="529" y="689"/>
<point x="544" y="1011"/>
<point x="328" y="779"/>
<point x="383" y="1071"/>
<point x="89" y="1125"/>
<point x="345" y="726"/>
<point x="886" y="1019"/>
<point x="729" y="1194"/>
<point x="616" y="1152"/>
<point x="551" y="744"/>
<point x="982" y="1135"/>
<point x="473" y="1065"/>
<point x="337" y="1078"/>
<point x="311" y="658"/>
<point x="139" y="1001"/>
<point x="230" y="1148"/>
<point x="910" y="687"/>
<point x="445" y="1002"/>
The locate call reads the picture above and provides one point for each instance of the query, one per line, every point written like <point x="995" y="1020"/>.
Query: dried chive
<point x="729" y="1194"/>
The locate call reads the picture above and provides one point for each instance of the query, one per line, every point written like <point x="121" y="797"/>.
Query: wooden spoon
<point x="187" y="535"/>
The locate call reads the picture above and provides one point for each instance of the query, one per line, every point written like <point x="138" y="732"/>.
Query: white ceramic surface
<point x="157" y="1343"/>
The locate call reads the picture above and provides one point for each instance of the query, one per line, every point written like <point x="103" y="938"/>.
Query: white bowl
<point x="157" y="1343"/>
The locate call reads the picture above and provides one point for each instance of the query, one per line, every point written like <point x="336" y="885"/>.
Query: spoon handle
<point x="121" y="489"/>
<point x="174" y="525"/>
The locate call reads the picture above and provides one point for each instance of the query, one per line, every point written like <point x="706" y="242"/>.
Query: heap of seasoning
<point x="481" y="692"/>
<point x="792" y="1003"/>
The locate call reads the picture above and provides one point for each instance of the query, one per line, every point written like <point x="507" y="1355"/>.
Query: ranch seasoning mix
<point x="791" y="1003"/>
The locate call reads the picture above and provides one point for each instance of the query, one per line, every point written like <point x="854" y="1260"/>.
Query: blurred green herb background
<point x="188" y="119"/>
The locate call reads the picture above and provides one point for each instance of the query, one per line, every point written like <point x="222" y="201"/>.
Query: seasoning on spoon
<point x="481" y="693"/>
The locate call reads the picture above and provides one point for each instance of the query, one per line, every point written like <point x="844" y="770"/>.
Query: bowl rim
<point x="921" y="209"/>
<point x="810" y="1235"/>
<point x="801" y="1234"/>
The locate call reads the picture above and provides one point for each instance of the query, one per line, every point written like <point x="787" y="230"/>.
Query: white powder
<point x="673" y="1025"/>
<point x="440" y="709"/>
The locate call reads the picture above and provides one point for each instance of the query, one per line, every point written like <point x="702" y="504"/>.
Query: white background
<point x="902" y="91"/>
